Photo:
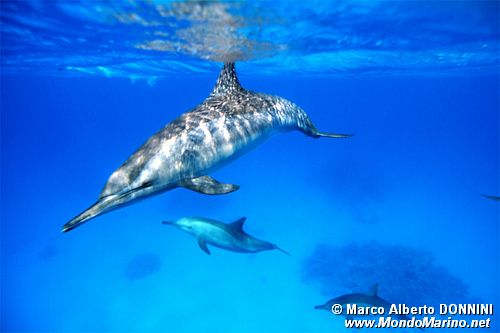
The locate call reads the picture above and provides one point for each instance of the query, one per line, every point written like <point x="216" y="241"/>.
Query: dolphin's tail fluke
<point x="280" y="249"/>
<point x="310" y="130"/>
<point x="318" y="134"/>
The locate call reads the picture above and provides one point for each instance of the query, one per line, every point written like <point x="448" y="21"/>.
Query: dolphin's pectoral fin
<point x="203" y="246"/>
<point x="208" y="185"/>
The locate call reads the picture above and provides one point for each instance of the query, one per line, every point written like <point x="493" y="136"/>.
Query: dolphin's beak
<point x="100" y="207"/>
<point x="106" y="204"/>
<point x="319" y="307"/>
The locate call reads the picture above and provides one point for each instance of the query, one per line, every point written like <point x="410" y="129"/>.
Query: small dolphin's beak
<point x="168" y="222"/>
<point x="319" y="307"/>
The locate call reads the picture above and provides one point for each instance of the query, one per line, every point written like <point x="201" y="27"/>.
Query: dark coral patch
<point x="405" y="274"/>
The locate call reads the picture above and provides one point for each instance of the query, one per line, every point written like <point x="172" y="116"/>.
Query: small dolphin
<point x="231" y="121"/>
<point x="226" y="236"/>
<point x="492" y="197"/>
<point x="369" y="299"/>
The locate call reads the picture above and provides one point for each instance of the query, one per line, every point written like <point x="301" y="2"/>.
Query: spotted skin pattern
<point x="227" y="124"/>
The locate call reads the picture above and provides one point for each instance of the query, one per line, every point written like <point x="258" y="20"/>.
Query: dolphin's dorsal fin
<point x="238" y="224"/>
<point x="227" y="83"/>
<point x="373" y="291"/>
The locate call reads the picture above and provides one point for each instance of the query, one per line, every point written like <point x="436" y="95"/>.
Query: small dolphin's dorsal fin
<point x="373" y="291"/>
<point x="203" y="245"/>
<point x="227" y="82"/>
<point x="238" y="224"/>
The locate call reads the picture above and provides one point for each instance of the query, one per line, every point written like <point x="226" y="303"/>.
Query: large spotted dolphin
<point x="182" y="154"/>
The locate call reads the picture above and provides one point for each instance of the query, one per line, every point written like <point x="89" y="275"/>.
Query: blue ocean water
<point x="84" y="84"/>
